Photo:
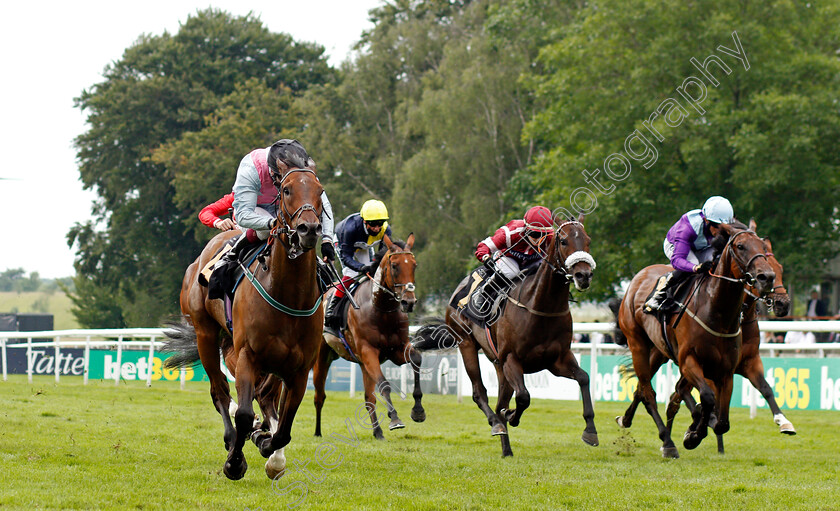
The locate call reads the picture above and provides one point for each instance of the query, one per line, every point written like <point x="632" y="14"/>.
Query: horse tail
<point x="618" y="335"/>
<point x="181" y="340"/>
<point x="434" y="335"/>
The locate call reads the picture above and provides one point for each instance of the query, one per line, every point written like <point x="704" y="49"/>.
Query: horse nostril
<point x="319" y="230"/>
<point x="302" y="229"/>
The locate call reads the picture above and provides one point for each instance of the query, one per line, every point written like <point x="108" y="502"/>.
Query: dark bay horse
<point x="534" y="333"/>
<point x="277" y="322"/>
<point x="376" y="332"/>
<point x="750" y="366"/>
<point x="706" y="345"/>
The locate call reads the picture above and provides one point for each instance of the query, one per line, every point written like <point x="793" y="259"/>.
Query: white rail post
<point x="3" y="344"/>
<point x="118" y="368"/>
<point x="458" y="377"/>
<point x="593" y="366"/>
<point x="87" y="359"/>
<point x="183" y="377"/>
<point x="57" y="359"/>
<point x="151" y="360"/>
<point x="352" y="379"/>
<point x="29" y="358"/>
<point x="753" y="399"/>
<point x="404" y="381"/>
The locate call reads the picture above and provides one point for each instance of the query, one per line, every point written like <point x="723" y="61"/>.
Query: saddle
<point x="224" y="281"/>
<point x="339" y="344"/>
<point x="465" y="298"/>
<point x="676" y="297"/>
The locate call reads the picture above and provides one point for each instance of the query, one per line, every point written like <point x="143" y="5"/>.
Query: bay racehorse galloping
<point x="534" y="333"/>
<point x="750" y="365"/>
<point x="376" y="332"/>
<point x="277" y="323"/>
<point x="707" y="345"/>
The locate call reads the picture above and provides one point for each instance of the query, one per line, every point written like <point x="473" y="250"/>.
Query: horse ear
<point x="752" y="224"/>
<point x="387" y="241"/>
<point x="580" y="218"/>
<point x="409" y="243"/>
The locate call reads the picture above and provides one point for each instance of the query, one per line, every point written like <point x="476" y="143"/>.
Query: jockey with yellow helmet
<point x="356" y="236"/>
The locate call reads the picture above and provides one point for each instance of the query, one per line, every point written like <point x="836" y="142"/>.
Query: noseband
<point x="572" y="259"/>
<point x="747" y="278"/>
<point x="293" y="248"/>
<point x="408" y="287"/>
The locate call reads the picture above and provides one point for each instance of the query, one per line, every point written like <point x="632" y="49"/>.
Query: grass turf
<point x="69" y="446"/>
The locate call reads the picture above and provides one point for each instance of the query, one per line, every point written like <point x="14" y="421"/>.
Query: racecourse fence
<point x="797" y="372"/>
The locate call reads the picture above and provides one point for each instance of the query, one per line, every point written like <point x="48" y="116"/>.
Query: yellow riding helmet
<point x="374" y="210"/>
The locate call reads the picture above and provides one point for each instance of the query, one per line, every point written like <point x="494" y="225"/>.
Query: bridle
<point x="283" y="227"/>
<point x="747" y="278"/>
<point x="397" y="293"/>
<point x="571" y="260"/>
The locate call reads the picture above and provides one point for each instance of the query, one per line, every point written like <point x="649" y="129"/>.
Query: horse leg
<point x="370" y="404"/>
<point x="208" y="352"/>
<point x="626" y="420"/>
<point x="753" y="369"/>
<point x="469" y="354"/>
<point x="641" y="363"/>
<point x="505" y="393"/>
<point x="269" y="394"/>
<point x="293" y="393"/>
<point x="694" y="375"/>
<point x="319" y="379"/>
<point x="516" y="378"/>
<point x="682" y="392"/>
<point x="246" y="375"/>
<point x="418" y="414"/>
<point x="370" y="360"/>
<point x="568" y="367"/>
<point x="724" y="395"/>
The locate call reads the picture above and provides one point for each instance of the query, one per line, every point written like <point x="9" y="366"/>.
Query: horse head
<point x="397" y="270"/>
<point x="778" y="296"/>
<point x="744" y="258"/>
<point x="300" y="208"/>
<point x="570" y="251"/>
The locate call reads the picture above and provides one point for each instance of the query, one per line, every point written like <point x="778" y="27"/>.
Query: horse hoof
<point x="691" y="440"/>
<point x="498" y="429"/>
<point x="418" y="416"/>
<point x="395" y="424"/>
<point x="619" y="419"/>
<point x="377" y="434"/>
<point x="670" y="452"/>
<point x="787" y="429"/>
<point x="258" y="435"/>
<point x="590" y="438"/>
<point x="235" y="471"/>
<point x="275" y="466"/>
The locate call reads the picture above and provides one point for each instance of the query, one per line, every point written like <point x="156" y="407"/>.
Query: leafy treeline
<point x="460" y="115"/>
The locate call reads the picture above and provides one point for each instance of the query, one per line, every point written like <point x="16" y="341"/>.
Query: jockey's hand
<point x="704" y="267"/>
<point x="224" y="224"/>
<point x="328" y="251"/>
<point x="364" y="270"/>
<point x="485" y="258"/>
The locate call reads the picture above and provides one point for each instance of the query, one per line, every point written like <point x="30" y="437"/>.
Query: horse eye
<point x="740" y="246"/>
<point x="286" y="190"/>
<point x="564" y="242"/>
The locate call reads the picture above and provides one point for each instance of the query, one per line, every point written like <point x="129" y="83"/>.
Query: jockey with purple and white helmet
<point x="688" y="245"/>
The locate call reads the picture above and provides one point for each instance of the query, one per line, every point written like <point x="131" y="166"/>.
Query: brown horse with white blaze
<point x="706" y="345"/>
<point x="277" y="322"/>
<point x="534" y="333"/>
<point x="378" y="331"/>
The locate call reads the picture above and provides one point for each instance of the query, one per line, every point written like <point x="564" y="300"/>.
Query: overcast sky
<point x="53" y="50"/>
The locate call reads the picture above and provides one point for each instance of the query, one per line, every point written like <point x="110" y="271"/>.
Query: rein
<point x="274" y="303"/>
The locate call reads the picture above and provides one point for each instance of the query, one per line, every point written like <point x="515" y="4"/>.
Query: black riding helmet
<point x="291" y="152"/>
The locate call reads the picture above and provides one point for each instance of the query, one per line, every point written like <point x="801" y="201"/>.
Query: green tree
<point x="767" y="137"/>
<point x="153" y="102"/>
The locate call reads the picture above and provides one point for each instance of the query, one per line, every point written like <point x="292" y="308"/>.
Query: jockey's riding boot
<point x="660" y="300"/>
<point x="231" y="256"/>
<point x="331" y="318"/>
<point x="488" y="292"/>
